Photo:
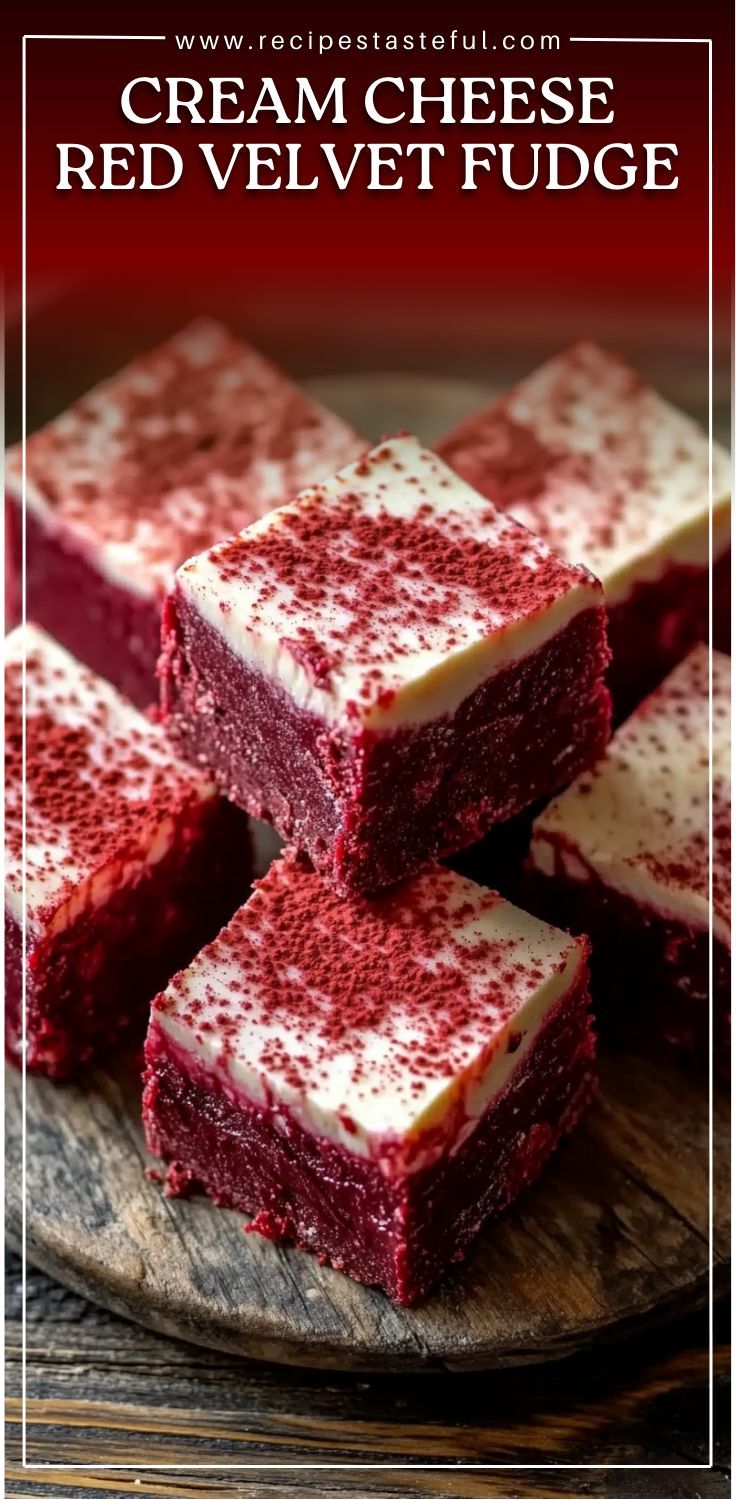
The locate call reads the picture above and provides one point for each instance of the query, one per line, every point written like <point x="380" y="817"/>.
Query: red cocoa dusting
<point x="331" y="975"/>
<point x="683" y="861"/>
<point x="190" y="441"/>
<point x="97" y="790"/>
<point x="531" y="450"/>
<point x="382" y="587"/>
<point x="672" y="843"/>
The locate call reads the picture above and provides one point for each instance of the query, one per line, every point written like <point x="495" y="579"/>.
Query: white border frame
<point x="193" y="1468"/>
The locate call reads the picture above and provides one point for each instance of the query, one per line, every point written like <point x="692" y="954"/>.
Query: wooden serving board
<point x="615" y="1233"/>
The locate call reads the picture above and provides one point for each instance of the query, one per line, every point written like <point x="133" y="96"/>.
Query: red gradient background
<point x="410" y="276"/>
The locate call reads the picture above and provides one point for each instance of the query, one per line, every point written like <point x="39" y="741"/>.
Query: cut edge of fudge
<point x="421" y="1052"/>
<point x="132" y="859"/>
<point x="385" y="667"/>
<point x="132" y="760"/>
<point x="487" y="591"/>
<point x="623" y="855"/>
<point x="639" y="818"/>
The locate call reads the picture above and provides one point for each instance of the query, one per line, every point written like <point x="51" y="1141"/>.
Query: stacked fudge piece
<point x="183" y="446"/>
<point x="376" y="1054"/>
<point x="594" y="461"/>
<point x="386" y="667"/>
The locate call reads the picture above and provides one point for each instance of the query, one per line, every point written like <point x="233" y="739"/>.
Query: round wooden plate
<point x="615" y="1233"/>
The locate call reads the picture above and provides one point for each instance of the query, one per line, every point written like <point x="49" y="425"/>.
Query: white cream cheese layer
<point x="59" y="885"/>
<point x="429" y="668"/>
<point x="639" y="820"/>
<point x="619" y="478"/>
<point x="361" y="1100"/>
<point x="120" y="562"/>
<point x="652" y="537"/>
<point x="645" y="507"/>
<point x="189" y="441"/>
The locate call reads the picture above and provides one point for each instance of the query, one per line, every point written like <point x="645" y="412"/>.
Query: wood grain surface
<point x="105" y="1392"/>
<point x="614" y="1233"/>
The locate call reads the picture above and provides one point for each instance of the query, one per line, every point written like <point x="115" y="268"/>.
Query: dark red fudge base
<point x="113" y="630"/>
<point x="370" y="809"/>
<point x="497" y="861"/>
<point x="92" y="984"/>
<point x="399" y="1233"/>
<point x="660" y="621"/>
<point x="722" y="604"/>
<point x="649" y="974"/>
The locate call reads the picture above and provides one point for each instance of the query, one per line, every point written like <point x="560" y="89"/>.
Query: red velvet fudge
<point x="592" y="459"/>
<point x="623" y="855"/>
<point x="370" y="1078"/>
<point x="190" y="442"/>
<point x="132" y="860"/>
<point x="385" y="667"/>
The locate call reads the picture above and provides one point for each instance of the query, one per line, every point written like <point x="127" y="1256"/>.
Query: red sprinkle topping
<point x="351" y="575"/>
<point x="322" y="977"/>
<point x="647" y="798"/>
<point x="584" y="452"/>
<point x="100" y="778"/>
<point x="187" y="443"/>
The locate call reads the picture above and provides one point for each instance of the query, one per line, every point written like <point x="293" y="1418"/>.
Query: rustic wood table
<point x="105" y="1392"/>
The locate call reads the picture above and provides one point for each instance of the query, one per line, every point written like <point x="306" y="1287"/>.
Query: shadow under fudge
<point x="670" y="615"/>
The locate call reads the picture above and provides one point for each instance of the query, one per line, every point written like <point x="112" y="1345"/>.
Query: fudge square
<point x="385" y="667"/>
<point x="592" y="459"/>
<point x="371" y="1078"/>
<point x="132" y="860"/>
<point x="623" y="856"/>
<point x="187" y="444"/>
